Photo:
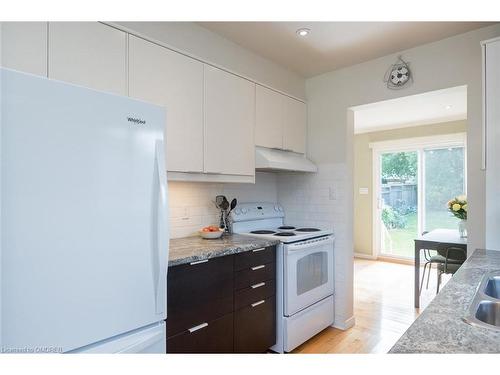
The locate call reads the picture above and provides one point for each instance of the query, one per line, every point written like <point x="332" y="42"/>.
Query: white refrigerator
<point x="84" y="233"/>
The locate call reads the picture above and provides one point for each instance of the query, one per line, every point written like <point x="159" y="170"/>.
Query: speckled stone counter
<point x="440" y="328"/>
<point x="192" y="249"/>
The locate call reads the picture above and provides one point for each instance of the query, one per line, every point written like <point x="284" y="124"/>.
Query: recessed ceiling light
<point x="448" y="107"/>
<point x="303" y="31"/>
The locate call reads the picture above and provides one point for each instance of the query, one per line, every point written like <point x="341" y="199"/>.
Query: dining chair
<point x="453" y="257"/>
<point x="428" y="262"/>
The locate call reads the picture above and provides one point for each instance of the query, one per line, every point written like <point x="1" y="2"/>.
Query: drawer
<point x="254" y="258"/>
<point x="254" y="275"/>
<point x="199" y="292"/>
<point x="214" y="337"/>
<point x="255" y="327"/>
<point x="257" y="292"/>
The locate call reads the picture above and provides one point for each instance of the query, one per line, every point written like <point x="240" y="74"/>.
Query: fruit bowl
<point x="211" y="232"/>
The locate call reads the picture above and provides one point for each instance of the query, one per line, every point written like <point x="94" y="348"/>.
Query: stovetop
<point x="289" y="233"/>
<point x="267" y="220"/>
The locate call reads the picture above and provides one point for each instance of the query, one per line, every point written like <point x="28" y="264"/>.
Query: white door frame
<point x="417" y="144"/>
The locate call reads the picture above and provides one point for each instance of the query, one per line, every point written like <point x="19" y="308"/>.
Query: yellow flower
<point x="462" y="199"/>
<point x="456" y="207"/>
<point x="465" y="207"/>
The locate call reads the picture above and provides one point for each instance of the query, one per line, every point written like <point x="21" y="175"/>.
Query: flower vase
<point x="462" y="228"/>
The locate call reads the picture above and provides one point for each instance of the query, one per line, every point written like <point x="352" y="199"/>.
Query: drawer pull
<point x="198" y="262"/>
<point x="258" y="267"/>
<point x="198" y="327"/>
<point x="258" y="303"/>
<point x="258" y="285"/>
<point x="257" y="250"/>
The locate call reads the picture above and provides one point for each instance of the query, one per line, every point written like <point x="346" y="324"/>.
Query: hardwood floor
<point x="383" y="308"/>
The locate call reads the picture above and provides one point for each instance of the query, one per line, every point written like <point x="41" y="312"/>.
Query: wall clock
<point x="398" y="75"/>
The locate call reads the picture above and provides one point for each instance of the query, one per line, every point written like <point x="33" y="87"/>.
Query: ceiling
<point x="415" y="110"/>
<point x="333" y="45"/>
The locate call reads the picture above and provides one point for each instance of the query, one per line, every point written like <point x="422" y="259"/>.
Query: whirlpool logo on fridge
<point x="136" y="121"/>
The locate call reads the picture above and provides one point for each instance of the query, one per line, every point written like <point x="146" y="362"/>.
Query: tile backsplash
<point x="192" y="205"/>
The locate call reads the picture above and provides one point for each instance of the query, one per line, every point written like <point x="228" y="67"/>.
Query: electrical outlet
<point x="332" y="194"/>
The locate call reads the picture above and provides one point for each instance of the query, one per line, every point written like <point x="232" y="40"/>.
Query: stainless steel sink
<point x="492" y="287"/>
<point x="489" y="313"/>
<point x="484" y="310"/>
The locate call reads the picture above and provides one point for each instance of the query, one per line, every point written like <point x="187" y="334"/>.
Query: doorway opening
<point x="410" y="159"/>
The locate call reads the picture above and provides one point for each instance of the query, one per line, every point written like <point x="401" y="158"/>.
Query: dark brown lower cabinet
<point x="255" y="327"/>
<point x="223" y="305"/>
<point x="215" y="337"/>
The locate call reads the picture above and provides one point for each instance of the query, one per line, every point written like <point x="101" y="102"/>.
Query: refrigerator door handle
<point x="162" y="230"/>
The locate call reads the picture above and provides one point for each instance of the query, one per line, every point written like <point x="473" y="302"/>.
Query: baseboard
<point x="396" y="260"/>
<point x="365" y="256"/>
<point x="346" y="324"/>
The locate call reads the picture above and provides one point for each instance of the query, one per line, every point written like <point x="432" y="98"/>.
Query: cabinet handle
<point x="258" y="267"/>
<point x="258" y="285"/>
<point x="258" y="303"/>
<point x="257" y="250"/>
<point x="198" y="262"/>
<point x="198" y="327"/>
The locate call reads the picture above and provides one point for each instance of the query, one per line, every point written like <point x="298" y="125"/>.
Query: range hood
<point x="270" y="159"/>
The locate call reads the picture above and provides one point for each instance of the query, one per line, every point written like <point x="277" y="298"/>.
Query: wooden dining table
<point x="431" y="241"/>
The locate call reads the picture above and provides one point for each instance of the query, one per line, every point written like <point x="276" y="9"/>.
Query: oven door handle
<point x="325" y="241"/>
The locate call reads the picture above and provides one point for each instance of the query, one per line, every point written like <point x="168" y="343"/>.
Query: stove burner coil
<point x="285" y="234"/>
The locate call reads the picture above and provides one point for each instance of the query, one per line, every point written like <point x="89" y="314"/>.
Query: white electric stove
<point x="305" y="272"/>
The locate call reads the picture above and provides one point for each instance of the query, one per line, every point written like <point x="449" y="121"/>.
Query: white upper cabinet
<point x="89" y="54"/>
<point x="161" y="76"/>
<point x="229" y="123"/>
<point x="280" y="121"/>
<point x="24" y="46"/>
<point x="295" y="120"/>
<point x="269" y="112"/>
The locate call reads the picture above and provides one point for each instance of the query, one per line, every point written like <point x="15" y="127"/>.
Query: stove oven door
<point x="308" y="273"/>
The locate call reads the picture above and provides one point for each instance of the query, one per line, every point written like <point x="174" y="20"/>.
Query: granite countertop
<point x="192" y="249"/>
<point x="440" y="328"/>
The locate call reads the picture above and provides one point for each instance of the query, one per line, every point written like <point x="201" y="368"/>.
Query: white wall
<point x="191" y="203"/>
<point x="447" y="63"/>
<point x="1" y="278"/>
<point x="206" y="45"/>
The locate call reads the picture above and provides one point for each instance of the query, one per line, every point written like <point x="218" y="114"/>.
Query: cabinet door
<point x="229" y="123"/>
<point x="210" y="337"/>
<point x="294" y="136"/>
<point x="24" y="46"/>
<point x="90" y="54"/>
<point x="255" y="326"/>
<point x="172" y="80"/>
<point x="198" y="293"/>
<point x="269" y="110"/>
<point x="492" y="138"/>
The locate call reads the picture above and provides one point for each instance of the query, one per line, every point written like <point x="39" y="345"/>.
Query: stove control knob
<point x="280" y="208"/>
<point x="276" y="208"/>
<point x="237" y="211"/>
<point x="244" y="211"/>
